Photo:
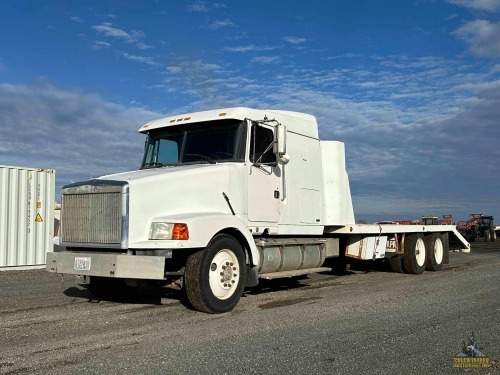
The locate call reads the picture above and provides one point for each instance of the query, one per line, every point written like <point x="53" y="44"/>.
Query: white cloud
<point x="143" y="59"/>
<point x="132" y="37"/>
<point x="294" y="40"/>
<point x="98" y="44"/>
<point x="199" y="6"/>
<point x="221" y="24"/>
<point x="484" y="5"/>
<point x="107" y="29"/>
<point x="76" y="19"/>
<point x="142" y="45"/>
<point x="482" y="37"/>
<point x="265" y="59"/>
<point x="204" y="7"/>
<point x="249" y="48"/>
<point x="78" y="134"/>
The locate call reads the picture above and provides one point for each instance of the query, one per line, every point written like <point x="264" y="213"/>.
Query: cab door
<point x="264" y="176"/>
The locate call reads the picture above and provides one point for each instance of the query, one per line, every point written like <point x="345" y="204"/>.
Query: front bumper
<point x="107" y="265"/>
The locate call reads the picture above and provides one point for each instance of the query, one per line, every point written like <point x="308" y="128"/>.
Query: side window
<point x="261" y="145"/>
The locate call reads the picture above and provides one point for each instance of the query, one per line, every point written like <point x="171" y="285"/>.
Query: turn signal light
<point x="180" y="232"/>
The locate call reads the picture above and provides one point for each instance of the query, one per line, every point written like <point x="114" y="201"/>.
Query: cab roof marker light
<point x="187" y="118"/>
<point x="222" y="114"/>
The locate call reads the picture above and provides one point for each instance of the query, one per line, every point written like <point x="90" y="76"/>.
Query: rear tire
<point x="215" y="277"/>
<point x="434" y="248"/>
<point x="414" y="253"/>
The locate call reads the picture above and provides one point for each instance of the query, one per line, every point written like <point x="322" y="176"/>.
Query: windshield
<point x="202" y="142"/>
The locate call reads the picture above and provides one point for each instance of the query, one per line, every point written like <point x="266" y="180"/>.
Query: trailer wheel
<point x="434" y="248"/>
<point x="414" y="250"/>
<point x="214" y="278"/>
<point x="396" y="264"/>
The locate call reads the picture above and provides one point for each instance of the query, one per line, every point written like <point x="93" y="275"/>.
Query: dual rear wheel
<point x="420" y="253"/>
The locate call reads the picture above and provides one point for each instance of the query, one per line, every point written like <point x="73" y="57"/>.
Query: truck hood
<point x="163" y="171"/>
<point x="166" y="192"/>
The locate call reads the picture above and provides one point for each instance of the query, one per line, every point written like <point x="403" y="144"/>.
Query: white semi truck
<point x="224" y="198"/>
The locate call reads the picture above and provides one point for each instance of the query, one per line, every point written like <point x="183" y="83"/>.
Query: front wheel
<point x="414" y="253"/>
<point x="487" y="237"/>
<point x="215" y="277"/>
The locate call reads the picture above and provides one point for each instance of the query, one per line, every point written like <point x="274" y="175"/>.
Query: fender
<point x="202" y="228"/>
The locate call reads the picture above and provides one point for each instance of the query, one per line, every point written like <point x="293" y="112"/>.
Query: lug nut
<point x="231" y="264"/>
<point x="223" y="267"/>
<point x="221" y="280"/>
<point x="222" y="273"/>
<point x="234" y="275"/>
<point x="227" y="263"/>
<point x="233" y="281"/>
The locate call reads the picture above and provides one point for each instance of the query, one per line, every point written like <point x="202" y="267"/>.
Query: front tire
<point x="215" y="277"/>
<point x="414" y="253"/>
<point x="434" y="248"/>
<point x="487" y="236"/>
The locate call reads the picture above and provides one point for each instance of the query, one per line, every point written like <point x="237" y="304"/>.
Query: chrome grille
<point x="92" y="218"/>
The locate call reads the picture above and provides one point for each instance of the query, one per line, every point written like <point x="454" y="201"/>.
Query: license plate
<point x="82" y="264"/>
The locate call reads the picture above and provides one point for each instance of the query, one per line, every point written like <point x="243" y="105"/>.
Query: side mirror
<point x="279" y="147"/>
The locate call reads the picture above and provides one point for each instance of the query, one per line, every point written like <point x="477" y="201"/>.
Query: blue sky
<point x="411" y="87"/>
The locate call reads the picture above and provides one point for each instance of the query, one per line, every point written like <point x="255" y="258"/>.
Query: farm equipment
<point x="478" y="226"/>
<point x="433" y="220"/>
<point x="446" y="220"/>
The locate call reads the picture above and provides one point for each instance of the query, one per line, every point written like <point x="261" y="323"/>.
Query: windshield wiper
<point x="201" y="157"/>
<point x="153" y="165"/>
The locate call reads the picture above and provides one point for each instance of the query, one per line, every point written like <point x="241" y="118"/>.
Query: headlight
<point x="168" y="231"/>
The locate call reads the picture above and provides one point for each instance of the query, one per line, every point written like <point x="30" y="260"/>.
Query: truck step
<point x="277" y="275"/>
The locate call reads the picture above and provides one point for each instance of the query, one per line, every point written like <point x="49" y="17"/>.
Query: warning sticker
<point x="38" y="218"/>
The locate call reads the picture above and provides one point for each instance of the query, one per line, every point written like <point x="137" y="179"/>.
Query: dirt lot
<point x="367" y="321"/>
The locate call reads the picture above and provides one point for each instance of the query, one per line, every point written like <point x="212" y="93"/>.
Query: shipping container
<point x="26" y="215"/>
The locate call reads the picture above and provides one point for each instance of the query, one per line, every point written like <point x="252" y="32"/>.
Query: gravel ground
<point x="369" y="321"/>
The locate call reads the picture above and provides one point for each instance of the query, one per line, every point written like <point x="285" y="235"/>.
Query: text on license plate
<point x="82" y="263"/>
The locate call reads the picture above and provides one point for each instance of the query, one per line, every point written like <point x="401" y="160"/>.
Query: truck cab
<point x="245" y="183"/>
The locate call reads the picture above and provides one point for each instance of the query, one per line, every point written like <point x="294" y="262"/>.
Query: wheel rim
<point x="224" y="274"/>
<point x="438" y="251"/>
<point x="420" y="252"/>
